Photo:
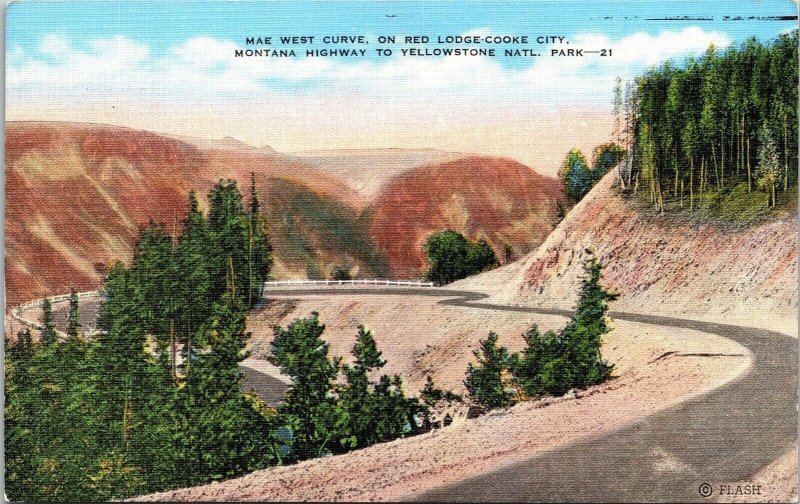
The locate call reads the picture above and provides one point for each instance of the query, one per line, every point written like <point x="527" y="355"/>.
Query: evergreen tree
<point x="582" y="337"/>
<point x="48" y="334"/>
<point x="229" y="230"/>
<point x="605" y="157"/>
<point x="768" y="171"/>
<point x="486" y="381"/>
<point x="223" y="433"/>
<point x="697" y="125"/>
<point x="194" y="283"/>
<point x="152" y="274"/>
<point x="20" y="429"/>
<point x="73" y="317"/>
<point x="121" y="363"/>
<point x="542" y="369"/>
<point x="310" y="407"/>
<point x="575" y="175"/>
<point x="260" y="250"/>
<point x="355" y="397"/>
<point x="395" y="414"/>
<point x="65" y="400"/>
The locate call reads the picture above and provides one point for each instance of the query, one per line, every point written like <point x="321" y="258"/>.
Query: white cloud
<point x="69" y="69"/>
<point x="207" y="65"/>
<point x="204" y="52"/>
<point x="435" y="100"/>
<point x="54" y="45"/>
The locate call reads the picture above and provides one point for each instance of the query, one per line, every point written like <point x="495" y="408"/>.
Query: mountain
<point x="226" y="143"/>
<point x="78" y="193"/>
<point x="498" y="199"/>
<point x="368" y="170"/>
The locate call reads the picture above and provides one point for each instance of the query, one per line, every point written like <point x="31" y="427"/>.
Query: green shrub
<point x="552" y="363"/>
<point x="452" y="257"/>
<point x="486" y="381"/>
<point x="341" y="273"/>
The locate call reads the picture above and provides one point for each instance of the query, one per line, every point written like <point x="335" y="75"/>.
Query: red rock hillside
<point x="498" y="199"/>
<point x="76" y="195"/>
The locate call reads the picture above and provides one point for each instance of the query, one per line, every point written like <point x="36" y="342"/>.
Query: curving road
<point x="720" y="437"/>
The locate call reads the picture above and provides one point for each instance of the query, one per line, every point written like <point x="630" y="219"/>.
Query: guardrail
<point x="17" y="312"/>
<point x="373" y="281"/>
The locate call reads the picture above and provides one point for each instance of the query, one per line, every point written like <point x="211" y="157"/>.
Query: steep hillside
<point x="505" y="202"/>
<point x="76" y="195"/>
<point x="666" y="263"/>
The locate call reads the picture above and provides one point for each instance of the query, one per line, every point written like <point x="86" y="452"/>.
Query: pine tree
<point x="119" y="356"/>
<point x="700" y="122"/>
<point x="137" y="396"/>
<point x="541" y="369"/>
<point x="194" y="283"/>
<point x="355" y="397"/>
<point x="395" y="414"/>
<point x="229" y="228"/>
<point x="48" y="334"/>
<point x="768" y="170"/>
<point x="73" y="318"/>
<point x="19" y="422"/>
<point x="617" y="102"/>
<point x="224" y="435"/>
<point x="582" y="337"/>
<point x="259" y="248"/>
<point x="152" y="275"/>
<point x="67" y="443"/>
<point x="486" y="381"/>
<point x="310" y="407"/>
<point x="575" y="175"/>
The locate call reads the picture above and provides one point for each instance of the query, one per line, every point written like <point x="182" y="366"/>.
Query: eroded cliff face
<point x="660" y="264"/>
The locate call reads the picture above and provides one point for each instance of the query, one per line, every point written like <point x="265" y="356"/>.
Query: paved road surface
<point x="723" y="436"/>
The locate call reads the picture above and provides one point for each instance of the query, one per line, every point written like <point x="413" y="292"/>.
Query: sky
<point x="171" y="67"/>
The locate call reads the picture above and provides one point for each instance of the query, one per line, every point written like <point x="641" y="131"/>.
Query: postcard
<point x="401" y="250"/>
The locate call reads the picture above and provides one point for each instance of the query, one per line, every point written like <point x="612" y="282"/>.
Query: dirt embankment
<point x="661" y="264"/>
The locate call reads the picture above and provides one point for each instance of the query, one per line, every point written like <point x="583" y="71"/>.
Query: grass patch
<point x="738" y="205"/>
<point x="733" y="204"/>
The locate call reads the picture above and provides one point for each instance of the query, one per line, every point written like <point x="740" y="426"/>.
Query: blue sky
<point x="169" y="66"/>
<point x="165" y="24"/>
